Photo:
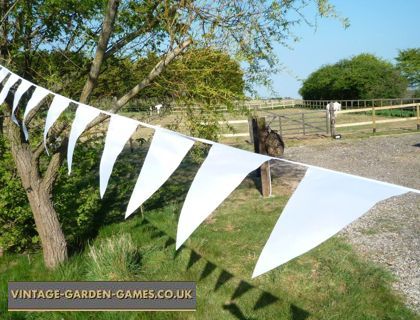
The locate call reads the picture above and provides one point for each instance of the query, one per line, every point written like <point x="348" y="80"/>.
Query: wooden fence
<point x="292" y="124"/>
<point x="319" y="122"/>
<point x="356" y="104"/>
<point x="146" y="105"/>
<point x="373" y="114"/>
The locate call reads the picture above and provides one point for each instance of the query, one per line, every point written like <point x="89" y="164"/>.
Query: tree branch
<point x="8" y="11"/>
<point x="123" y="42"/>
<point x="51" y="173"/>
<point x="107" y="30"/>
<point x="153" y="74"/>
<point x="156" y="71"/>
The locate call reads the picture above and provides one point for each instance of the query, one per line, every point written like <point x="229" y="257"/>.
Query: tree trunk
<point x="40" y="199"/>
<point x="54" y="246"/>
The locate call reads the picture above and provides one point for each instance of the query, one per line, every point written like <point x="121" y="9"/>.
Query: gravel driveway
<point x="389" y="234"/>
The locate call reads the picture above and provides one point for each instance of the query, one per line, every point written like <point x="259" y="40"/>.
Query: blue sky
<point x="380" y="27"/>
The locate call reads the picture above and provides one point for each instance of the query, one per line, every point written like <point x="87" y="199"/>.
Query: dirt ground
<point x="389" y="234"/>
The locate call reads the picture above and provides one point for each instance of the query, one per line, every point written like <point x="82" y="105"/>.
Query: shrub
<point x="17" y="226"/>
<point x="361" y="77"/>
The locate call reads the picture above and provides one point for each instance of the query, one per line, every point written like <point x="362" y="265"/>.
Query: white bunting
<point x="165" y="154"/>
<point x="9" y="83"/>
<point x="58" y="105"/>
<point x="119" y="131"/>
<point x="3" y="73"/>
<point x="23" y="87"/>
<point x="324" y="202"/>
<point x="84" y="115"/>
<point x="37" y="96"/>
<point x="222" y="171"/>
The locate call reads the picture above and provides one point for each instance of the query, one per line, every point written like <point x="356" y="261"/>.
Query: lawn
<point x="330" y="282"/>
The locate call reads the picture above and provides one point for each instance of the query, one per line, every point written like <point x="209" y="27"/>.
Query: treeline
<point x="201" y="74"/>
<point x="365" y="77"/>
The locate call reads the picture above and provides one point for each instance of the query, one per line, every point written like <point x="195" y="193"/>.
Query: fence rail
<point x="358" y="104"/>
<point x="300" y="123"/>
<point x="374" y="121"/>
<point x="146" y="105"/>
<point x="320" y="122"/>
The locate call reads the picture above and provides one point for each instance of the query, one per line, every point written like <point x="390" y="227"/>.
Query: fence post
<point x="327" y="122"/>
<point x="303" y="123"/>
<point x="280" y="128"/>
<point x="332" y="121"/>
<point x="131" y="145"/>
<point x="373" y="120"/>
<point x="258" y="128"/>
<point x="418" y="116"/>
<point x="251" y="130"/>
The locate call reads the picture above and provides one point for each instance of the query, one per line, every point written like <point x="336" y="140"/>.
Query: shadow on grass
<point x="236" y="311"/>
<point x="121" y="185"/>
<point x="234" y="306"/>
<point x="298" y="313"/>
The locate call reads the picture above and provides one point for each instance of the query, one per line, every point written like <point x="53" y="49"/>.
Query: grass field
<point x="330" y="282"/>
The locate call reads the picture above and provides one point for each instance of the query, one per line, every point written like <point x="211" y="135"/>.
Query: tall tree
<point x="246" y="30"/>
<point x="361" y="77"/>
<point x="408" y="62"/>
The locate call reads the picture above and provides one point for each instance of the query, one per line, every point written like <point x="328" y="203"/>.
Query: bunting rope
<point x="308" y="219"/>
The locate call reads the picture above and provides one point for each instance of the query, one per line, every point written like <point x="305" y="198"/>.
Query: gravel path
<point x="389" y="234"/>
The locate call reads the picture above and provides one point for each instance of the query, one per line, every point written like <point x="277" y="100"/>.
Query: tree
<point x="117" y="29"/>
<point x="361" y="77"/>
<point x="408" y="62"/>
<point x="201" y="74"/>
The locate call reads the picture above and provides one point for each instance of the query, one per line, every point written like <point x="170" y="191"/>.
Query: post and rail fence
<point x="322" y="122"/>
<point x="146" y="105"/>
<point x="373" y="113"/>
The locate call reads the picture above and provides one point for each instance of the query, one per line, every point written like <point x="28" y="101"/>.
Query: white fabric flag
<point x="23" y="87"/>
<point x="38" y="94"/>
<point x="165" y="154"/>
<point x="324" y="202"/>
<point x="58" y="105"/>
<point x="222" y="171"/>
<point x="84" y="115"/>
<point x="119" y="131"/>
<point x="9" y="83"/>
<point x="3" y="73"/>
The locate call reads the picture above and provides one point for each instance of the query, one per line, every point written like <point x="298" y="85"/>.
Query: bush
<point x="75" y="198"/>
<point x="17" y="226"/>
<point x="361" y="77"/>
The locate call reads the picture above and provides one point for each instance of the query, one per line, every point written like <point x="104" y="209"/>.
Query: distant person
<point x="334" y="106"/>
<point x="157" y="107"/>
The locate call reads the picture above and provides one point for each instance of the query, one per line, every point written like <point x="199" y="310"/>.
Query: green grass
<point x="397" y="113"/>
<point x="330" y="282"/>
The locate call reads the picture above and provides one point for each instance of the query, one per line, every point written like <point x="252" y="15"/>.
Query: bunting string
<point x="324" y="202"/>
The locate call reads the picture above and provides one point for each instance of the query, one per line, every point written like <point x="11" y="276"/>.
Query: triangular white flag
<point x="58" y="105"/>
<point x="84" y="115"/>
<point x="222" y="171"/>
<point x="119" y="131"/>
<point x="324" y="202"/>
<point x="38" y="94"/>
<point x="9" y="83"/>
<point x="23" y="87"/>
<point x="165" y="154"/>
<point x="3" y="73"/>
